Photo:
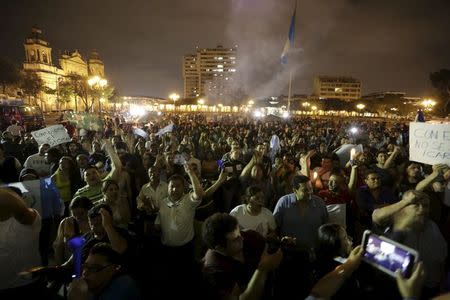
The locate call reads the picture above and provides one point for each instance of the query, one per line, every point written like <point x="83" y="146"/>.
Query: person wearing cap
<point x="44" y="192"/>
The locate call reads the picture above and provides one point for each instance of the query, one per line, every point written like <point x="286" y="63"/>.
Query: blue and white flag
<point x="290" y="40"/>
<point x="168" y="128"/>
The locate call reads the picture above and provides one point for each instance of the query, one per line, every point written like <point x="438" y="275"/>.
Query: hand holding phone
<point x="388" y="256"/>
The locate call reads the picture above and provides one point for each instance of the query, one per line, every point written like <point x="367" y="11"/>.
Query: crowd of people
<point x="235" y="208"/>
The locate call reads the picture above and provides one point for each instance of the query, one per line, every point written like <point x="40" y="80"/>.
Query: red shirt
<point x="343" y="197"/>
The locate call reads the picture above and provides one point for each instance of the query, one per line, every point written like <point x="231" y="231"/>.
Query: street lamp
<point x="251" y="102"/>
<point x="360" y="106"/>
<point x="98" y="83"/>
<point x="428" y="104"/>
<point x="305" y="104"/>
<point x="201" y="101"/>
<point x="174" y="97"/>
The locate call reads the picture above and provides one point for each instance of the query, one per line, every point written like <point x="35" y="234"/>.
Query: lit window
<point x="220" y="66"/>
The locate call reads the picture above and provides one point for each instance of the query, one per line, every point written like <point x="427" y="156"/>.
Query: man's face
<point x="413" y="170"/>
<point x="323" y="148"/>
<point x="43" y="149"/>
<point x="334" y="183"/>
<point x="82" y="161"/>
<point x="417" y="212"/>
<point x="262" y="148"/>
<point x="97" y="227"/>
<point x="98" y="272"/>
<point x="234" y="242"/>
<point x="304" y="191"/>
<point x="92" y="177"/>
<point x="235" y="145"/>
<point x="176" y="189"/>
<point x="153" y="174"/>
<point x="373" y="181"/>
<point x="258" y="199"/>
<point x="327" y="163"/>
<point x="381" y="158"/>
<point x="112" y="192"/>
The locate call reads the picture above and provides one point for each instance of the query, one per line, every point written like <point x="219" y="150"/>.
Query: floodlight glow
<point x="136" y="110"/>
<point x="285" y="114"/>
<point x="354" y="130"/>
<point x="258" y="114"/>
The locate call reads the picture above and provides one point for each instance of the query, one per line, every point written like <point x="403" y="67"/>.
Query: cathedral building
<point x="38" y="59"/>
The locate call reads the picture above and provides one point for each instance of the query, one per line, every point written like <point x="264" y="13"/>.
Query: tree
<point x="31" y="85"/>
<point x="82" y="90"/>
<point x="441" y="82"/>
<point x="65" y="92"/>
<point x="115" y="98"/>
<point x="9" y="74"/>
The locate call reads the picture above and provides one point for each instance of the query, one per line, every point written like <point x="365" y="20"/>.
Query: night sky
<point x="388" y="44"/>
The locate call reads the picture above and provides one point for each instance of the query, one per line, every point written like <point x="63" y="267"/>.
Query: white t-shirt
<point x="177" y="220"/>
<point x="19" y="251"/>
<point x="260" y="223"/>
<point x="157" y="195"/>
<point x="14" y="129"/>
<point x="37" y="162"/>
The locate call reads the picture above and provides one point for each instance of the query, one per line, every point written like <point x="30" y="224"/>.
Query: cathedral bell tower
<point x="37" y="50"/>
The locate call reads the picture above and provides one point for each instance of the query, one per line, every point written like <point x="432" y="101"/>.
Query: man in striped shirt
<point x="93" y="187"/>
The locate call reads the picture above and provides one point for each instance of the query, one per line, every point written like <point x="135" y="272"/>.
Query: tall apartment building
<point x="337" y="87"/>
<point x="208" y="72"/>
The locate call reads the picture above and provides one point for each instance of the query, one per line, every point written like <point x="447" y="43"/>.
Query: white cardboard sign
<point x="429" y="143"/>
<point x="52" y="135"/>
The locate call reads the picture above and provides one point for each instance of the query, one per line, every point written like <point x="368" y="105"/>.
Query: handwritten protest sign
<point x="52" y="135"/>
<point x="429" y="143"/>
<point x="85" y="120"/>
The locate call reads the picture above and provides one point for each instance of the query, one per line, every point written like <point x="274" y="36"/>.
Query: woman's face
<point x="80" y="214"/>
<point x="112" y="192"/>
<point x="64" y="164"/>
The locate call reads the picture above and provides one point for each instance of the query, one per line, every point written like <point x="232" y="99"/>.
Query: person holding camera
<point x="236" y="266"/>
<point x="409" y="224"/>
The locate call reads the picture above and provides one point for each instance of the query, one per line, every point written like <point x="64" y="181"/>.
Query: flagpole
<point x="289" y="92"/>
<point x="290" y="71"/>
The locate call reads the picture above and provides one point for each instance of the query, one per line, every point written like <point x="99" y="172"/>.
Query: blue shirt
<point x="122" y="287"/>
<point x="301" y="223"/>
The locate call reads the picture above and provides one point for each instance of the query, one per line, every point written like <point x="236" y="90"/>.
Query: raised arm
<point x="353" y="179"/>
<point x="305" y="162"/>
<point x="198" y="192"/>
<point x="213" y="188"/>
<point x="116" y="164"/>
<point x="12" y="206"/>
<point x="332" y="282"/>
<point x="383" y="215"/>
<point x="390" y="161"/>
<point x="118" y="243"/>
<point x="437" y="170"/>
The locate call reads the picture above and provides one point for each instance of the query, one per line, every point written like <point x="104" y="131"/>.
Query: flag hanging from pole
<point x="290" y="40"/>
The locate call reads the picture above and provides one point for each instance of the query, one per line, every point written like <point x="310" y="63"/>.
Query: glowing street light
<point x="251" y="102"/>
<point x="96" y="82"/>
<point x="360" y="106"/>
<point x="428" y="104"/>
<point x="201" y="101"/>
<point x="174" y="97"/>
<point x="314" y="107"/>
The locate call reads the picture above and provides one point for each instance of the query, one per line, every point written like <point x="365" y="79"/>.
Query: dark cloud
<point x="389" y="45"/>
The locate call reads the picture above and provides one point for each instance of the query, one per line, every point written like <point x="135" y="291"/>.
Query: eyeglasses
<point x="94" y="268"/>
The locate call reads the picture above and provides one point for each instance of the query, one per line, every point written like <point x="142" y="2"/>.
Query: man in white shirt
<point x="19" y="246"/>
<point x="14" y="128"/>
<point x="176" y="221"/>
<point x="153" y="192"/>
<point x="38" y="163"/>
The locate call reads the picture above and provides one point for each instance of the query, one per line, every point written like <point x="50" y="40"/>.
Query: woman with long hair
<point x="67" y="179"/>
<point x="119" y="206"/>
<point x="76" y="224"/>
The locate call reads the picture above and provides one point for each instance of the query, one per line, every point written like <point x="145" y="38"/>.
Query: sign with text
<point x="52" y="135"/>
<point x="429" y="143"/>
